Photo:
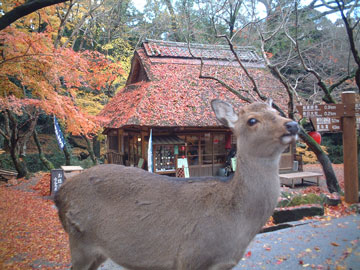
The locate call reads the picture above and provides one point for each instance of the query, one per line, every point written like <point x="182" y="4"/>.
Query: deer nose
<point x="292" y="127"/>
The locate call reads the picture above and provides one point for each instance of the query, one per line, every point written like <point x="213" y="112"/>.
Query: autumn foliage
<point x="33" y="72"/>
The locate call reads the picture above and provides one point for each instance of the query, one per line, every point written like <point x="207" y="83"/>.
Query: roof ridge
<point x="160" y="48"/>
<point x="197" y="45"/>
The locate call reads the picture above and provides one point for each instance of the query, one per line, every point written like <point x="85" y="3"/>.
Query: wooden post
<point x="350" y="152"/>
<point x="120" y="141"/>
<point x="143" y="144"/>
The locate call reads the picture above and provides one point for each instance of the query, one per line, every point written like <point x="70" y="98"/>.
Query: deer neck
<point x="256" y="181"/>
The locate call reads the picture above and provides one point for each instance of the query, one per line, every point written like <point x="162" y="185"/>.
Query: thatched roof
<point x="164" y="88"/>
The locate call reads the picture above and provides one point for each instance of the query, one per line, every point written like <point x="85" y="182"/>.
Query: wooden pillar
<point x="143" y="144"/>
<point x="120" y="140"/>
<point x="350" y="152"/>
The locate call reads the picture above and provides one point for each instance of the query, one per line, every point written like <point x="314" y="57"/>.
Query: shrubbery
<point x="331" y="144"/>
<point x="33" y="162"/>
<point x="290" y="199"/>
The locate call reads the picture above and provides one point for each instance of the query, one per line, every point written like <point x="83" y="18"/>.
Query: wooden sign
<point x="328" y="110"/>
<point x="57" y="179"/>
<point x="327" y="124"/>
<point x="340" y="117"/>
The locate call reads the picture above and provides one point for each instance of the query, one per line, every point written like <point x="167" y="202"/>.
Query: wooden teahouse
<point x="164" y="94"/>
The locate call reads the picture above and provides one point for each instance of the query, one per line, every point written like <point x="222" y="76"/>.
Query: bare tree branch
<point x="80" y="23"/>
<point x="328" y="97"/>
<point x="63" y="20"/>
<point x="228" y="87"/>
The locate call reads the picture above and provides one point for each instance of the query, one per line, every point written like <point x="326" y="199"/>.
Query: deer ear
<point x="224" y="112"/>
<point x="269" y="102"/>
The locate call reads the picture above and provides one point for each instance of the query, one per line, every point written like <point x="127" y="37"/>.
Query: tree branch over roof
<point x="25" y="9"/>
<point x="228" y="87"/>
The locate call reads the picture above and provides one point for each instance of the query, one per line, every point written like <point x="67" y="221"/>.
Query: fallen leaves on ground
<point x="43" y="185"/>
<point x="31" y="236"/>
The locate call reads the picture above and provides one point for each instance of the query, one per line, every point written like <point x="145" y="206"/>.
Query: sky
<point x="140" y="4"/>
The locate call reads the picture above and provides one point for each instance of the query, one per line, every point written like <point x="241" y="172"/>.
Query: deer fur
<point x="145" y="221"/>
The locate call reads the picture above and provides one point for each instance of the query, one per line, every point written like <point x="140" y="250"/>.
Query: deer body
<point x="146" y="221"/>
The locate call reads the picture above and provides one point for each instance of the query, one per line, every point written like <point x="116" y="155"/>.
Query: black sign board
<point x="57" y="178"/>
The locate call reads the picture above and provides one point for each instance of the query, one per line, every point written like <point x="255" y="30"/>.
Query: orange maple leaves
<point x="34" y="73"/>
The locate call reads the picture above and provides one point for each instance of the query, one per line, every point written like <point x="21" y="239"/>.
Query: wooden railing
<point x="115" y="158"/>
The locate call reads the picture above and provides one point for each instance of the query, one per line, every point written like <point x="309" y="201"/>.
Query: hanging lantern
<point x="316" y="136"/>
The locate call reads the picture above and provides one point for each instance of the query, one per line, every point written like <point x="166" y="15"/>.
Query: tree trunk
<point x="17" y="139"/>
<point x="174" y="25"/>
<point x="48" y="164"/>
<point x="331" y="180"/>
<point x="90" y="150"/>
<point x="19" y="164"/>
<point x="67" y="155"/>
<point x="96" y="147"/>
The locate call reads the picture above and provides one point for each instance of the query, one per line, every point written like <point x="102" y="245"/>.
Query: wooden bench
<point x="8" y="174"/>
<point x="286" y="177"/>
<point x="70" y="171"/>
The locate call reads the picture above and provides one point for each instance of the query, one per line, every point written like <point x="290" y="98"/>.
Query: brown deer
<point x="145" y="221"/>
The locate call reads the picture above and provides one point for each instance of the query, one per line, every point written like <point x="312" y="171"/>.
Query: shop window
<point x="193" y="147"/>
<point x="165" y="157"/>
<point x="113" y="143"/>
<point x="205" y="149"/>
<point x="219" y="148"/>
<point x="132" y="149"/>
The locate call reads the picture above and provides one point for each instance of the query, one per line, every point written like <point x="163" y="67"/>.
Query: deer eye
<point x="252" y="121"/>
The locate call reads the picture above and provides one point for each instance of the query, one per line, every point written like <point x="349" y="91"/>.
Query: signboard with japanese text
<point x="327" y="124"/>
<point x="343" y="118"/>
<point x="327" y="117"/>
<point x="328" y="110"/>
<point x="57" y="179"/>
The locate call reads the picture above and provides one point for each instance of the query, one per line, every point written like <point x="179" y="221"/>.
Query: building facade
<point x="165" y="94"/>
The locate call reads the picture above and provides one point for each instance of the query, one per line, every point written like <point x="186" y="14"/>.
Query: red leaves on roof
<point x="176" y="96"/>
